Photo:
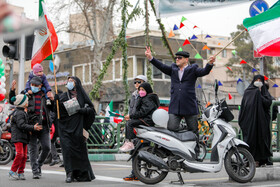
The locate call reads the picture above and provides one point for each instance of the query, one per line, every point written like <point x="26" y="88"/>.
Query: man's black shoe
<point x="62" y="165"/>
<point x="69" y="177"/>
<point x="54" y="162"/>
<point x="36" y="176"/>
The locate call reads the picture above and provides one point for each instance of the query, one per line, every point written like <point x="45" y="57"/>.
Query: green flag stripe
<point x="266" y="16"/>
<point x="41" y="8"/>
<point x="41" y="14"/>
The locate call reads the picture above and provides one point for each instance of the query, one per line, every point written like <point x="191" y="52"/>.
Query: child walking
<point x="145" y="107"/>
<point x="20" y="135"/>
<point x="38" y="71"/>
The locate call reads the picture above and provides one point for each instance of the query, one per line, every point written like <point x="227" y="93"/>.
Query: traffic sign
<point x="258" y="7"/>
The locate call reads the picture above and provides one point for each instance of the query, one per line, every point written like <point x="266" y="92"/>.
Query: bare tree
<point x="88" y="20"/>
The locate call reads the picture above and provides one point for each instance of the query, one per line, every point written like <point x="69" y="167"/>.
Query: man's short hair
<point x="36" y="80"/>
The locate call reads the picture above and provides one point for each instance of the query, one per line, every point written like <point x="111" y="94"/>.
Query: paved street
<point x="111" y="173"/>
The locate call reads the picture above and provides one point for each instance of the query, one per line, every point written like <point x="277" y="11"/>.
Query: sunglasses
<point x="139" y="82"/>
<point x="178" y="57"/>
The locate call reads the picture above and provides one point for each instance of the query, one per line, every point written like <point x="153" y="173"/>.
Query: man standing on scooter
<point x="183" y="102"/>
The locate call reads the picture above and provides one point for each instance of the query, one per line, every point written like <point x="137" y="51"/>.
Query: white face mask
<point x="258" y="84"/>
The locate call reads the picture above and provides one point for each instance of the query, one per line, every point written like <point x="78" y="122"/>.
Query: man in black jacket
<point x="38" y="112"/>
<point x="183" y="102"/>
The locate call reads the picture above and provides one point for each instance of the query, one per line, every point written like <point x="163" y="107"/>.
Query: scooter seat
<point x="183" y="136"/>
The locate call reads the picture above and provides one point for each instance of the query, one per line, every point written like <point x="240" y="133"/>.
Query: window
<point x="87" y="74"/>
<point x="157" y="73"/>
<point x="224" y="53"/>
<point x="140" y="66"/>
<point x="83" y="72"/>
<point x="130" y="68"/>
<point x="212" y="51"/>
<point x="168" y="62"/>
<point x="117" y="69"/>
<point x="79" y="72"/>
<point x="208" y="52"/>
<point x="109" y="75"/>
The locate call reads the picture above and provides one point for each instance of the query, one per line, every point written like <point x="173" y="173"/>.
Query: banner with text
<point x="166" y="8"/>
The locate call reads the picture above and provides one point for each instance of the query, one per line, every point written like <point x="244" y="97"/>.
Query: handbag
<point x="71" y="106"/>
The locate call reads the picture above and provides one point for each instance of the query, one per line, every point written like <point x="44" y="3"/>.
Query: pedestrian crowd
<point x="40" y="117"/>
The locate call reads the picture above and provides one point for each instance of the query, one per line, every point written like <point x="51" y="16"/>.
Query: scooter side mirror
<point x="216" y="86"/>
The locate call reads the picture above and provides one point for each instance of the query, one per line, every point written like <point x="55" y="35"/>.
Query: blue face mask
<point x="70" y="85"/>
<point x="35" y="89"/>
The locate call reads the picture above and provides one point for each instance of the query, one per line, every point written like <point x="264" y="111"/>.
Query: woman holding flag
<point x="74" y="105"/>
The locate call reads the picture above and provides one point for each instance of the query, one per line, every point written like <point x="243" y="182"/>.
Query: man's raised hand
<point x="212" y="59"/>
<point x="148" y="53"/>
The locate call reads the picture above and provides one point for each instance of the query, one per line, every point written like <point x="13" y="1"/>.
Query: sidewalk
<point x="268" y="173"/>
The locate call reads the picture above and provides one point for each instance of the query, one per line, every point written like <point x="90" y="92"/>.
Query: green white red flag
<point x="113" y="116"/>
<point x="264" y="30"/>
<point x="44" y="38"/>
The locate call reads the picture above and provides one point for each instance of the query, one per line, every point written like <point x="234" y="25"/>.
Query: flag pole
<point x="230" y="42"/>
<point x="55" y="84"/>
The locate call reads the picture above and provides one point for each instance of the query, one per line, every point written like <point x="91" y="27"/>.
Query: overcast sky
<point x="221" y="21"/>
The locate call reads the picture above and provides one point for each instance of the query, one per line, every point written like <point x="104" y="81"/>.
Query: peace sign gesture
<point x="148" y="53"/>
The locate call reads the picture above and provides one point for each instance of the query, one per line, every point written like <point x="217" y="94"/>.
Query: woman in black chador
<point x="254" y="120"/>
<point x="70" y="126"/>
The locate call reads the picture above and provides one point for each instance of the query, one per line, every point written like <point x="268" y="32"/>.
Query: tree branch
<point x="107" y="24"/>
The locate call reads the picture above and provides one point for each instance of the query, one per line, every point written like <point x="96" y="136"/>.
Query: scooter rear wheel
<point x="239" y="172"/>
<point x="202" y="151"/>
<point x="146" y="172"/>
<point x="7" y="155"/>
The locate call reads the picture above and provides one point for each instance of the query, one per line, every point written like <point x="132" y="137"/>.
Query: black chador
<point x="254" y="120"/>
<point x="74" y="148"/>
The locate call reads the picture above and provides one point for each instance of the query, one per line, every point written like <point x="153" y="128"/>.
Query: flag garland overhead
<point x="181" y="25"/>
<point x="193" y="37"/>
<point x="175" y="27"/>
<point x="186" y="42"/>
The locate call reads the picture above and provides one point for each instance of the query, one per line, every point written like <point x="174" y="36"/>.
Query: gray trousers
<point x="44" y="138"/>
<point x="53" y="151"/>
<point x="191" y="121"/>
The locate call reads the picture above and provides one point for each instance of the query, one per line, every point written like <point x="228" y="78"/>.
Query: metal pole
<point x="11" y="63"/>
<point x="244" y="75"/>
<point x="21" y="64"/>
<point x="261" y="66"/>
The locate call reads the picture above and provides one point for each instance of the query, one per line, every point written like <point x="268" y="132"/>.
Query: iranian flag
<point x="264" y="30"/>
<point x="46" y="41"/>
<point x="113" y="116"/>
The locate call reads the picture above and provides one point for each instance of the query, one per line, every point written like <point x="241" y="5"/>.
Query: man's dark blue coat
<point x="183" y="97"/>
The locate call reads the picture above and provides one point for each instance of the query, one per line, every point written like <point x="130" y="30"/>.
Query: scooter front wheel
<point x="240" y="165"/>
<point x="146" y="172"/>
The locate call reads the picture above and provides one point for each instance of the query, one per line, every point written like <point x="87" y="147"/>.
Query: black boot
<point x="69" y="177"/>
